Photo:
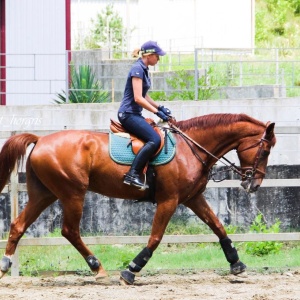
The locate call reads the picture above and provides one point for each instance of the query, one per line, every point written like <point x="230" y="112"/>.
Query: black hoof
<point x="127" y="276"/>
<point x="237" y="268"/>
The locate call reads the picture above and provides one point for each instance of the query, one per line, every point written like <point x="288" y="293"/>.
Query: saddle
<point x="137" y="143"/>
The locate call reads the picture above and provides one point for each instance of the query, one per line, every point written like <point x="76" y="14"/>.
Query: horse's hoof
<point x="244" y="274"/>
<point x="101" y="277"/>
<point x="2" y="274"/>
<point x="123" y="282"/>
<point x="237" y="268"/>
<point x="127" y="277"/>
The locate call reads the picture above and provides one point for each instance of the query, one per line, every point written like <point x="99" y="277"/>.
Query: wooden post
<point x="14" y="202"/>
<point x="112" y="91"/>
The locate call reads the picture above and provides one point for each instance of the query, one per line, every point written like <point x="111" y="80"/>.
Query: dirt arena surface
<point x="196" y="285"/>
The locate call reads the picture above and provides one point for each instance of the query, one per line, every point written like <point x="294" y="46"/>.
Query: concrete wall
<point x="111" y="216"/>
<point x="284" y="112"/>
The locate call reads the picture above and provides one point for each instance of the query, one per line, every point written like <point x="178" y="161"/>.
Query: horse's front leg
<point x="201" y="208"/>
<point x="72" y="208"/>
<point x="161" y="219"/>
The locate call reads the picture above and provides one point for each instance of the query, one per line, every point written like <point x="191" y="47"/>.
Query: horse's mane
<point x="211" y="120"/>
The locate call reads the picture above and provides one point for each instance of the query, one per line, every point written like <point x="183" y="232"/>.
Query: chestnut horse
<point x="64" y="165"/>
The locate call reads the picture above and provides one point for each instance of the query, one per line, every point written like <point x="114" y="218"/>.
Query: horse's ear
<point x="270" y="130"/>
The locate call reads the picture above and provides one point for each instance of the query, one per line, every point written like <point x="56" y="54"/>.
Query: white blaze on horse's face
<point x="253" y="157"/>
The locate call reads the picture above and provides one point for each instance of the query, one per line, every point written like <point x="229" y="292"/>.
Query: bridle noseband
<point x="251" y="171"/>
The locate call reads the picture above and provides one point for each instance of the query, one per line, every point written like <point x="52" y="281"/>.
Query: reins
<point x="230" y="166"/>
<point x="249" y="171"/>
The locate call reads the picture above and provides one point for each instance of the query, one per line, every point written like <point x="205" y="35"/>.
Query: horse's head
<point x="253" y="156"/>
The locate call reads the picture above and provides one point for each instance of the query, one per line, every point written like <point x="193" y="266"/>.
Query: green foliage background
<point x="277" y="23"/>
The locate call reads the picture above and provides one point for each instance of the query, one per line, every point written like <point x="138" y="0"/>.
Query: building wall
<point x="36" y="50"/>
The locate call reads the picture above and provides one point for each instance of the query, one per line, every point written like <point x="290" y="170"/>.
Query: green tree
<point x="108" y="30"/>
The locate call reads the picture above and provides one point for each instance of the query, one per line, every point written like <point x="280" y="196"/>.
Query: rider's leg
<point x="139" y="162"/>
<point x="137" y="125"/>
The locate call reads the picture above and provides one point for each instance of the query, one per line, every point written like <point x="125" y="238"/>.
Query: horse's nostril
<point x="254" y="188"/>
<point x="257" y="187"/>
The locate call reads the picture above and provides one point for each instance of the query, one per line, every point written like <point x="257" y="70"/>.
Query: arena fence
<point x="14" y="187"/>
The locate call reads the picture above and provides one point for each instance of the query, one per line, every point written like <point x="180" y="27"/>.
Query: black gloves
<point x="161" y="115"/>
<point x="165" y="110"/>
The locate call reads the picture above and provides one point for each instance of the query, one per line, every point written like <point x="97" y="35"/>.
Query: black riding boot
<point x="139" y="162"/>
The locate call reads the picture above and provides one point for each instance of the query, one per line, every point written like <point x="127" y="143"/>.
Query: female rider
<point x="130" y="112"/>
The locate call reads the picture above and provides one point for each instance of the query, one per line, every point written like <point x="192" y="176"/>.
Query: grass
<point x="34" y="260"/>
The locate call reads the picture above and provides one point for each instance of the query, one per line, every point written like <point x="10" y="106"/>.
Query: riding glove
<point x="165" y="110"/>
<point x="164" y="117"/>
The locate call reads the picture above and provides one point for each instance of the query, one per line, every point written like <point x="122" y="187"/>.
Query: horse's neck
<point x="220" y="140"/>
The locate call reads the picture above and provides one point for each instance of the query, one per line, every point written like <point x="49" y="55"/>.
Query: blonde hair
<point x="139" y="53"/>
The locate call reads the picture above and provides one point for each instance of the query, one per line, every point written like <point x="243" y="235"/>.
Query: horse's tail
<point x="12" y="151"/>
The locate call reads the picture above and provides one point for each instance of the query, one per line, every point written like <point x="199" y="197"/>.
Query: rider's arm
<point x="146" y="102"/>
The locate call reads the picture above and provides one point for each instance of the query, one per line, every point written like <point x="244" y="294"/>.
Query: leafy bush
<point x="182" y="85"/>
<point x="85" y="88"/>
<point x="263" y="248"/>
<point x="158" y="95"/>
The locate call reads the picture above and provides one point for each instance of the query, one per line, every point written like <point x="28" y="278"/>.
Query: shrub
<point x="263" y="248"/>
<point x="85" y="88"/>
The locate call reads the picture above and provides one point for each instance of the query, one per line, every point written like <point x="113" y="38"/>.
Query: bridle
<point x="251" y="171"/>
<point x="246" y="173"/>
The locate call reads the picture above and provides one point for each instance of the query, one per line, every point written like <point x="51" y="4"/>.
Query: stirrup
<point x="135" y="181"/>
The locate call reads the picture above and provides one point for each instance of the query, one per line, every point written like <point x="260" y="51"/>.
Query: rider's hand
<point x="165" y="110"/>
<point x="161" y="115"/>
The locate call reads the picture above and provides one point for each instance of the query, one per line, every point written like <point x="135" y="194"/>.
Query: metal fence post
<point x="196" y="74"/>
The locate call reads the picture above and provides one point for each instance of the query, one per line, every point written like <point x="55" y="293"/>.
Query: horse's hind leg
<point x="201" y="208"/>
<point x="73" y="207"/>
<point x="39" y="199"/>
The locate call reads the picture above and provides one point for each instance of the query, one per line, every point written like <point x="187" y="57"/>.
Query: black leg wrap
<point x="140" y="261"/>
<point x="5" y="264"/>
<point x="229" y="250"/>
<point x="237" y="268"/>
<point x="127" y="276"/>
<point x="93" y="262"/>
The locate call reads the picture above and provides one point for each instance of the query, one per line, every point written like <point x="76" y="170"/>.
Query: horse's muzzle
<point x="250" y="185"/>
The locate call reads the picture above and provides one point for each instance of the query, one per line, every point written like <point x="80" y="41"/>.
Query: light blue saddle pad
<point x="120" y="150"/>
